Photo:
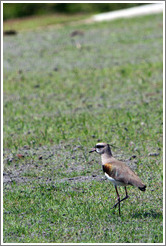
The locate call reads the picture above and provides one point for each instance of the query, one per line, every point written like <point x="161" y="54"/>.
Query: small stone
<point x="153" y="154"/>
<point x="20" y="71"/>
<point x="20" y="156"/>
<point x="36" y="86"/>
<point x="77" y="147"/>
<point x="132" y="157"/>
<point x="26" y="147"/>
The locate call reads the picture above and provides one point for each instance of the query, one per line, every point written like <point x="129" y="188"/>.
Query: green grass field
<point x="60" y="99"/>
<point x="43" y="21"/>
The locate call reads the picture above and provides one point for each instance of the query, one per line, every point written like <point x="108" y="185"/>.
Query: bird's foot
<point x="120" y="201"/>
<point x="116" y="204"/>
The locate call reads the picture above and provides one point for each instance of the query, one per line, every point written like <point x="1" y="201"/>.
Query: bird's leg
<point x="119" y="208"/>
<point x="78" y="45"/>
<point x="118" y="199"/>
<point x="125" y="196"/>
<point x="122" y="199"/>
<point x="117" y="196"/>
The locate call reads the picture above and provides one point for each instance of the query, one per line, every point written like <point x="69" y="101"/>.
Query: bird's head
<point x="101" y="148"/>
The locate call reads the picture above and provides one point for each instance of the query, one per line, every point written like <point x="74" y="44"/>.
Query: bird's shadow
<point x="147" y="214"/>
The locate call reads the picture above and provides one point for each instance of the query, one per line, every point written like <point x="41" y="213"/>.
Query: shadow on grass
<point x="147" y="214"/>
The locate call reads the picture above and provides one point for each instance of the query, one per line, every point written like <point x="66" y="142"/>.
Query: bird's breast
<point x="111" y="174"/>
<point x="107" y="168"/>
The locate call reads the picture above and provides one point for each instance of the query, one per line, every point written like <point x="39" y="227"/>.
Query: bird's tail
<point x="142" y="188"/>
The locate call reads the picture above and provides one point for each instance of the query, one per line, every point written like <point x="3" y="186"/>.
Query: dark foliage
<point x="16" y="10"/>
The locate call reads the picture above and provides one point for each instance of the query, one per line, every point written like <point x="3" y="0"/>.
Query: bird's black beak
<point x="92" y="150"/>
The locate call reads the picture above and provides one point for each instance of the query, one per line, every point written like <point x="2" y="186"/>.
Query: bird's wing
<point x="121" y="172"/>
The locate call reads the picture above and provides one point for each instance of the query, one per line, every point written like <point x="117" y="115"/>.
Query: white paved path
<point x="130" y="12"/>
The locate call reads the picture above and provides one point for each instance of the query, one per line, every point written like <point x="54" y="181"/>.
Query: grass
<point x="42" y="22"/>
<point x="58" y="102"/>
<point x="79" y="213"/>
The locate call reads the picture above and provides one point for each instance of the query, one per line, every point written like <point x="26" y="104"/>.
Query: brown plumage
<point x="122" y="173"/>
<point x="117" y="171"/>
<point x="77" y="33"/>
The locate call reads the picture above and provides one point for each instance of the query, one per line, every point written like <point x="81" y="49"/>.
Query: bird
<point x="10" y="32"/>
<point x="77" y="33"/>
<point x="117" y="172"/>
<point x="74" y="38"/>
